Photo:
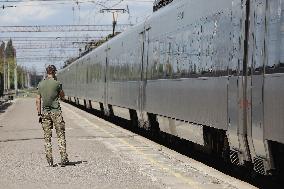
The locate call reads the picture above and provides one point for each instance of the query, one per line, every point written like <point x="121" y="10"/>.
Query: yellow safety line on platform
<point x="153" y="161"/>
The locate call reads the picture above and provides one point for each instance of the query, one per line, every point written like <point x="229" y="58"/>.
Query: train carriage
<point x="208" y="71"/>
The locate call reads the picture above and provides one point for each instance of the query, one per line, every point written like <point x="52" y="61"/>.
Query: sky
<point x="62" y="12"/>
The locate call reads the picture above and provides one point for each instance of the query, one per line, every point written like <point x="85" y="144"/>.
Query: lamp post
<point x="4" y="71"/>
<point x="8" y="76"/>
<point x="15" y="74"/>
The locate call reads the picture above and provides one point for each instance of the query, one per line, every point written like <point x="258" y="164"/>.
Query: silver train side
<point x="208" y="71"/>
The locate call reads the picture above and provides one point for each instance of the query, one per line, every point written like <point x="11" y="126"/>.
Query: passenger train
<point x="208" y="71"/>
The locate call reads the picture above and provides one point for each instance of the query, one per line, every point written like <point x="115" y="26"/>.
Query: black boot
<point x="50" y="162"/>
<point x="64" y="162"/>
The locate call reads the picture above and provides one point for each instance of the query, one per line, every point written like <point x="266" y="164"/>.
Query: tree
<point x="21" y="77"/>
<point x="2" y="49"/>
<point x="10" y="61"/>
<point x="10" y="49"/>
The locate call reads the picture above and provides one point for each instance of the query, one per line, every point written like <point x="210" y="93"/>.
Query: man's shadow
<point x="72" y="163"/>
<point x="4" y="106"/>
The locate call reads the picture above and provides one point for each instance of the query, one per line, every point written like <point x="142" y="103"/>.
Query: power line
<point x="67" y="2"/>
<point x="45" y="50"/>
<point x="47" y="47"/>
<point x="55" y="38"/>
<point x="50" y="45"/>
<point x="62" y="28"/>
<point x="51" y="41"/>
<point x="46" y="53"/>
<point x="64" y="43"/>
<point x="43" y="58"/>
<point x="80" y="1"/>
<point x="26" y="45"/>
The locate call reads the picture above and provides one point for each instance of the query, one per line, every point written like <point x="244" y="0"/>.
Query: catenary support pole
<point x="4" y="72"/>
<point x="15" y="74"/>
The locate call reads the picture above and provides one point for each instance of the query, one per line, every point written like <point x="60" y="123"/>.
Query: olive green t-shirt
<point x="49" y="90"/>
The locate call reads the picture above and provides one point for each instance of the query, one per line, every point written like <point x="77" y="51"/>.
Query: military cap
<point x="51" y="69"/>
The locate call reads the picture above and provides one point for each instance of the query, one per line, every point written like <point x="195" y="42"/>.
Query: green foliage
<point x="21" y="73"/>
<point x="9" y="51"/>
<point x="10" y="62"/>
<point x="2" y="49"/>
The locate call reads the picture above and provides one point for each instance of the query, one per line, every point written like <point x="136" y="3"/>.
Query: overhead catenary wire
<point x="68" y="1"/>
<point x="28" y="38"/>
<point x="54" y="3"/>
<point x="61" y="28"/>
<point x="79" y="38"/>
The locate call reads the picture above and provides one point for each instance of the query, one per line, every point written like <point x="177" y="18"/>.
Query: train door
<point x="106" y="107"/>
<point x="76" y="83"/>
<point x="237" y="103"/>
<point x="258" y="58"/>
<point x="144" y="45"/>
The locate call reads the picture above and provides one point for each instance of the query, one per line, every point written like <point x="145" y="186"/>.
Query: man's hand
<point x="62" y="95"/>
<point x="38" y="104"/>
<point x="40" y="119"/>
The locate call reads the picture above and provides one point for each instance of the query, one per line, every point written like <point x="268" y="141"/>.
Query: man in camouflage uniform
<point x="49" y="92"/>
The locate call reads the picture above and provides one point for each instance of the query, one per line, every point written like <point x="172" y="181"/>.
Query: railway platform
<point x="102" y="155"/>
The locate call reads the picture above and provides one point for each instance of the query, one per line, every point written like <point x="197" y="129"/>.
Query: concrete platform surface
<point x="104" y="156"/>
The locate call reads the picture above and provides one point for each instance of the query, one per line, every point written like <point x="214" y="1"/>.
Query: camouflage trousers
<point x="50" y="120"/>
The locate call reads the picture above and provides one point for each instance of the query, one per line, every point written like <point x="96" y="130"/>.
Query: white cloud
<point x="23" y="13"/>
